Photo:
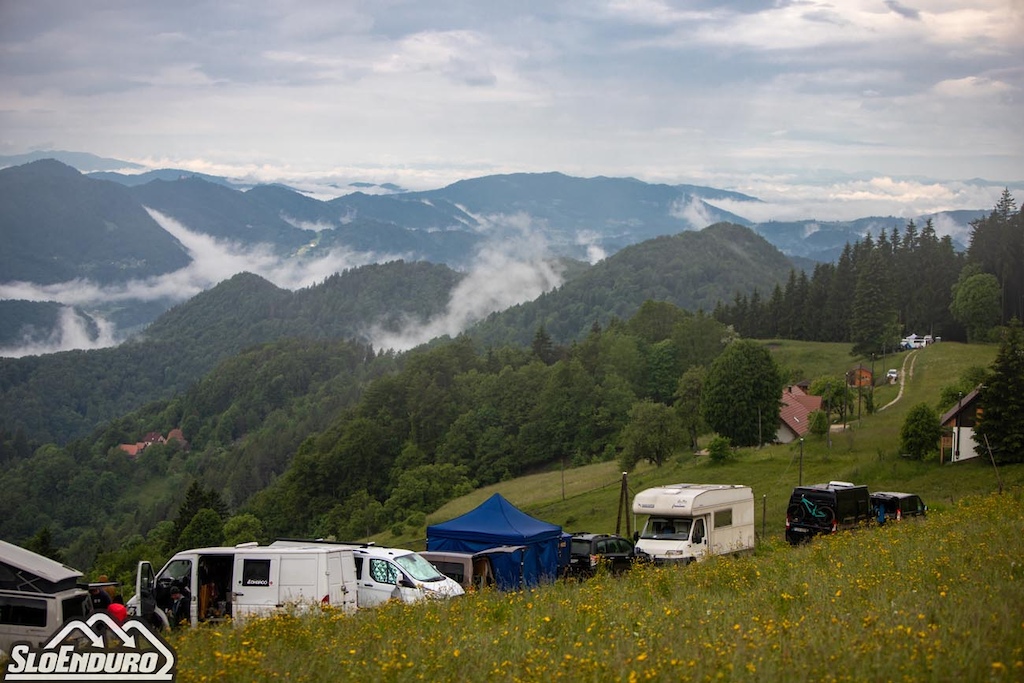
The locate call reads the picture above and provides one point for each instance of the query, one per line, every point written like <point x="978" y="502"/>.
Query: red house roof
<point x="796" y="409"/>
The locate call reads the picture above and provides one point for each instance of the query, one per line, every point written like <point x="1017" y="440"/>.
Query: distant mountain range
<point x="59" y="225"/>
<point x="62" y="396"/>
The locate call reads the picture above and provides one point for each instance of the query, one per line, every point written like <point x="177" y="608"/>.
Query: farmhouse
<point x="958" y="430"/>
<point x="860" y="376"/>
<point x="134" y="449"/>
<point x="794" y="413"/>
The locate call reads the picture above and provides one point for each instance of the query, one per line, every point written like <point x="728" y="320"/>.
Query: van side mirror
<point x="406" y="583"/>
<point x="636" y="536"/>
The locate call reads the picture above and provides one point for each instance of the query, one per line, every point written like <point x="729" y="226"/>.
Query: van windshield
<point x="418" y="568"/>
<point x="667" y="528"/>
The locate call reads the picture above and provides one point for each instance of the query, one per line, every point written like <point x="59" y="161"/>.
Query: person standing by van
<point x="100" y="599"/>
<point x="177" y="613"/>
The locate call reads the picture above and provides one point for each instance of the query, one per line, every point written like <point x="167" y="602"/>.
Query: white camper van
<point x="386" y="573"/>
<point x="37" y="595"/>
<point x="246" y="580"/>
<point x="687" y="522"/>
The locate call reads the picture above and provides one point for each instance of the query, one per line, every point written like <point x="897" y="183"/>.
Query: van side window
<point x="75" y="608"/>
<point x="22" y="611"/>
<point x="723" y="518"/>
<point x="255" y="572"/>
<point x="383" y="571"/>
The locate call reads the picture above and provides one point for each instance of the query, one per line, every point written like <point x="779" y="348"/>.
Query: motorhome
<point x="37" y="595"/>
<point x="385" y="573"/>
<point x="688" y="522"/>
<point x="246" y="580"/>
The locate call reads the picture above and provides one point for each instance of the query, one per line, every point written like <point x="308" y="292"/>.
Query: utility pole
<point x="872" y="381"/>
<point x="959" y="409"/>
<point x="801" y="461"/>
<point x="624" y="508"/>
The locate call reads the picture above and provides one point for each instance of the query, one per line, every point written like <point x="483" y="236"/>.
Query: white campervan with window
<point x="37" y="595"/>
<point x="386" y="573"/>
<point x="246" y="580"/>
<point x="688" y="522"/>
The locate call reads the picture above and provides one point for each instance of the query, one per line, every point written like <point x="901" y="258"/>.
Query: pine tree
<point x="997" y="245"/>
<point x="543" y="348"/>
<point x="1001" y="426"/>
<point x="873" y="312"/>
<point x="196" y="499"/>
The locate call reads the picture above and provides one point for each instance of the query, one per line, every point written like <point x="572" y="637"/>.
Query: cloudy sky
<point x="845" y="108"/>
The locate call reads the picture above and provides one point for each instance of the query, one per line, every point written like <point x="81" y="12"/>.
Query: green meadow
<point x="937" y="599"/>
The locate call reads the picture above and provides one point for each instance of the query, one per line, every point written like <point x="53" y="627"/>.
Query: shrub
<point x="719" y="449"/>
<point x="921" y="432"/>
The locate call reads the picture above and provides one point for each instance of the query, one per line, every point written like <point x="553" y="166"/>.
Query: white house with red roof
<point x="794" y="413"/>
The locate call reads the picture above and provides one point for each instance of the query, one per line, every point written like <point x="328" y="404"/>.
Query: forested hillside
<point x="692" y="270"/>
<point x="58" y="225"/>
<point x="893" y="284"/>
<point x="328" y="437"/>
<point x="879" y="290"/>
<point x="243" y="421"/>
<point x="62" y="396"/>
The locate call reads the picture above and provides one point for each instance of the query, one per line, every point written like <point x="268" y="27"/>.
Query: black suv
<point x="592" y="550"/>
<point x="825" y="508"/>
<point x="897" y="505"/>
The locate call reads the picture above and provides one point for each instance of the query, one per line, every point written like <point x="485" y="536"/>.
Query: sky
<point x="828" y="110"/>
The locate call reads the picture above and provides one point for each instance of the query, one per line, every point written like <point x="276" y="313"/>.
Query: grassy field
<point x="937" y="599"/>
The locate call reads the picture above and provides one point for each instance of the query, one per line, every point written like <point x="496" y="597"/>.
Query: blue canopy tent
<point x="497" y="522"/>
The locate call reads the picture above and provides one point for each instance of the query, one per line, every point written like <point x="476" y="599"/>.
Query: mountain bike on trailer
<point x="807" y="511"/>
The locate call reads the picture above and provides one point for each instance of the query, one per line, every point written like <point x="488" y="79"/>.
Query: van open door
<point x="145" y="596"/>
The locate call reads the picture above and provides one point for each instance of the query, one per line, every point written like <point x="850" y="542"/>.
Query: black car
<point x="897" y="505"/>
<point x="589" y="551"/>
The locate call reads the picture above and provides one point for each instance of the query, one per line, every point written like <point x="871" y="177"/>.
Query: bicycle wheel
<point x="829" y="517"/>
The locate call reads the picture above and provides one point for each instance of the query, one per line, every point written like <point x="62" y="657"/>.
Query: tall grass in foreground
<point x="939" y="599"/>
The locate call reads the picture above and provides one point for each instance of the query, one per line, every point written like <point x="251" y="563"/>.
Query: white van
<point x="473" y="571"/>
<point x="37" y="595"/>
<point x="687" y="522"/>
<point x="386" y="573"/>
<point x="246" y="580"/>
